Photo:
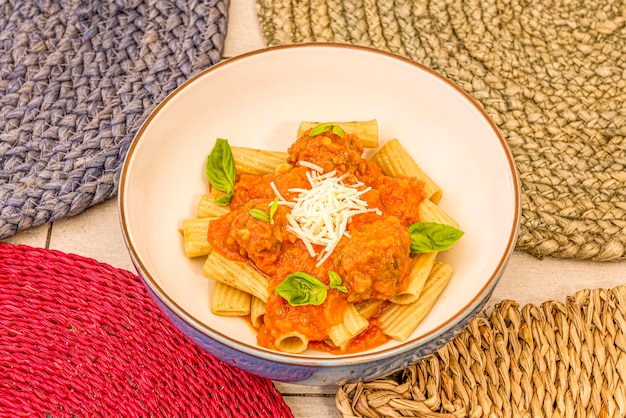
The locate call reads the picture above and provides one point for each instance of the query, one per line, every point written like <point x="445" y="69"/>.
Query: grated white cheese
<point x="311" y="165"/>
<point x="275" y="190"/>
<point x="320" y="215"/>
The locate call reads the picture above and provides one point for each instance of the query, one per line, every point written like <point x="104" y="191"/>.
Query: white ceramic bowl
<point x="257" y="100"/>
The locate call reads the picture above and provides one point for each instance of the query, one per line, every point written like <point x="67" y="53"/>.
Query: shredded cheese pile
<point x="320" y="215"/>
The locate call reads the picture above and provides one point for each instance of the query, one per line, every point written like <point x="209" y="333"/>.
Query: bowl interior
<point x="258" y="100"/>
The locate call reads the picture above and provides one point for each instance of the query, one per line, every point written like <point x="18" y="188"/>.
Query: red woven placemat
<point x="81" y="338"/>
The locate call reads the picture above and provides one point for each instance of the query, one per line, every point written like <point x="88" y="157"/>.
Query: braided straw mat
<point x="552" y="75"/>
<point x="82" y="339"/>
<point x="77" y="78"/>
<point x="554" y="360"/>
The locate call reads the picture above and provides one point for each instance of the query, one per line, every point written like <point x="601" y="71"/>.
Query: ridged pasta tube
<point x="399" y="321"/>
<point x="396" y="161"/>
<point x="239" y="274"/>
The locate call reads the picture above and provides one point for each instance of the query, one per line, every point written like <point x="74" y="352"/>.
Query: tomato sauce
<point x="373" y="336"/>
<point x="373" y="261"/>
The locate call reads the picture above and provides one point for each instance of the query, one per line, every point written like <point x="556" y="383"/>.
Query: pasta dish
<point x="319" y="247"/>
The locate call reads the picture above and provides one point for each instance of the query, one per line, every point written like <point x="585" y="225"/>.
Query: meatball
<point x="374" y="262"/>
<point x="329" y="151"/>
<point x="259" y="240"/>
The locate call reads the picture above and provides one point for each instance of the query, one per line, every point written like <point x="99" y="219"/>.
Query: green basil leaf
<point x="302" y="289"/>
<point x="320" y="129"/>
<point x="260" y="214"/>
<point x="428" y="237"/>
<point x="224" y="200"/>
<point x="273" y="209"/>
<point x="335" y="279"/>
<point x="335" y="282"/>
<point x="325" y="127"/>
<point x="305" y="289"/>
<point x="220" y="170"/>
<point x="338" y="131"/>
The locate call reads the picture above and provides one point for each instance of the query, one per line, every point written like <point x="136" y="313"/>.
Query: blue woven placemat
<point x="77" y="79"/>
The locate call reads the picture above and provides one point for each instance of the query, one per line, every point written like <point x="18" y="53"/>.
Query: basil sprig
<point x="264" y="216"/>
<point x="220" y="169"/>
<point x="325" y="127"/>
<point x="428" y="237"/>
<point x="260" y="215"/>
<point x="302" y="288"/>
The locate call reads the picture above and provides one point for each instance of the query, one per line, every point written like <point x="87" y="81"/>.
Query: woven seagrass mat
<point x="559" y="359"/>
<point x="552" y="75"/>
<point x="80" y="338"/>
<point x="77" y="78"/>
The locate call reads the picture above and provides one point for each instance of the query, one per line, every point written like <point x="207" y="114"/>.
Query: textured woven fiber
<point x="77" y="78"/>
<point x="554" y="360"/>
<point x="80" y="338"/>
<point x="552" y="75"/>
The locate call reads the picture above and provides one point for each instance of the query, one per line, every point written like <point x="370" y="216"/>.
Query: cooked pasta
<point x="196" y="242"/>
<point x="292" y="342"/>
<point x="421" y="266"/>
<point x="430" y="212"/>
<point x="395" y="161"/>
<point x="316" y="246"/>
<point x="257" y="310"/>
<point x="207" y="208"/>
<point x="353" y="324"/>
<point x="240" y="275"/>
<point x="256" y="161"/>
<point x="399" y="321"/>
<point x="229" y="301"/>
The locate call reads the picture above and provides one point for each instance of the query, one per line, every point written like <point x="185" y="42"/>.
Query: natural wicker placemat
<point x="559" y="359"/>
<point x="80" y="338"/>
<point x="77" y="78"/>
<point x="551" y="75"/>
